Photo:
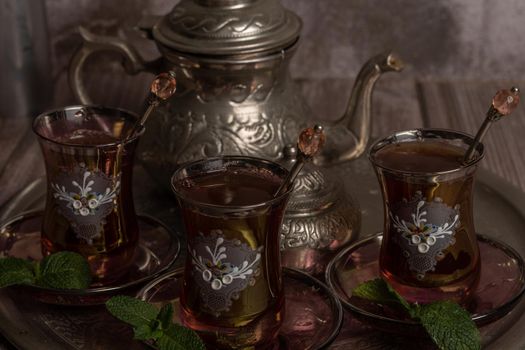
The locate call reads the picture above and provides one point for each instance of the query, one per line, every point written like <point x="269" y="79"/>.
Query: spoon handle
<point x="503" y="104"/>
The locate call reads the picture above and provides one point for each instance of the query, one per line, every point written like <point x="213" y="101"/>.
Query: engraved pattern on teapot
<point x="231" y="58"/>
<point x="235" y="94"/>
<point x="312" y="181"/>
<point x="217" y="25"/>
<point x="318" y="232"/>
<point x="192" y="135"/>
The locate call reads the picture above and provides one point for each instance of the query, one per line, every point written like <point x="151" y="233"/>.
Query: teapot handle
<point x="92" y="43"/>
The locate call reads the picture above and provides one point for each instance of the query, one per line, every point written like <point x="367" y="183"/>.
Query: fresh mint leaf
<point x="69" y="279"/>
<point x="165" y="316"/>
<point x="151" y="324"/>
<point x="131" y="310"/>
<point x="64" y="270"/>
<point x="145" y="332"/>
<point x="449" y="326"/>
<point x="177" y="337"/>
<point x="378" y="291"/>
<point x="15" y="271"/>
<point x="141" y="315"/>
<point x="375" y="290"/>
<point x="447" y="323"/>
<point x="412" y="309"/>
<point x="142" y="332"/>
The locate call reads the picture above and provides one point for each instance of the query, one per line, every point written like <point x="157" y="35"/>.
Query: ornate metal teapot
<point x="234" y="92"/>
<point x="321" y="217"/>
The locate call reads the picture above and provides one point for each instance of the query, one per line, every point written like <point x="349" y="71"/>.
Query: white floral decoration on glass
<point x="219" y="273"/>
<point x="85" y="202"/>
<point x="419" y="232"/>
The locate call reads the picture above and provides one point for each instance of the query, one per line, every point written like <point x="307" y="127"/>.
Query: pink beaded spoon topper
<point x="163" y="87"/>
<point x="310" y="142"/>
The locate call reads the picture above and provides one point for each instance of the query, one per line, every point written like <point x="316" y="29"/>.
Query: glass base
<point x="460" y="291"/>
<point x="501" y="285"/>
<point x="157" y="250"/>
<point x="259" y="333"/>
<point x="312" y="319"/>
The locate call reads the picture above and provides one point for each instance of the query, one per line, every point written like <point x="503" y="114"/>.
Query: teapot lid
<point x="315" y="190"/>
<point x="228" y="27"/>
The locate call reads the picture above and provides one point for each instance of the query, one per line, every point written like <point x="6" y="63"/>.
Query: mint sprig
<point x="150" y="323"/>
<point x="15" y="271"/>
<point x="62" y="270"/>
<point x="447" y="323"/>
<point x="449" y="326"/>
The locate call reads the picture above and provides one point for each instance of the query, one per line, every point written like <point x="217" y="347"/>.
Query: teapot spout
<point x="352" y="130"/>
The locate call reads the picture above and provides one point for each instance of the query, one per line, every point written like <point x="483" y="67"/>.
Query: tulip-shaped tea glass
<point x="429" y="250"/>
<point x="89" y="207"/>
<point x="232" y="291"/>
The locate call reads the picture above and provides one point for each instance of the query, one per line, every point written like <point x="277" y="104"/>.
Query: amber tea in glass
<point x="429" y="250"/>
<point x="89" y="206"/>
<point x="232" y="294"/>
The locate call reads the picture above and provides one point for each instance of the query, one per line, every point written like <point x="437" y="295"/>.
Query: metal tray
<point x="499" y="213"/>
<point x="500" y="289"/>
<point x="313" y="314"/>
<point x="157" y="250"/>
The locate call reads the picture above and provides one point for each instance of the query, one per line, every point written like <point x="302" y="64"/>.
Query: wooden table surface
<point x="398" y="104"/>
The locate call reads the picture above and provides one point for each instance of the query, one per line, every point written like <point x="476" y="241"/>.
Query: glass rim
<point x="186" y="198"/>
<point x="414" y="134"/>
<point x="38" y="118"/>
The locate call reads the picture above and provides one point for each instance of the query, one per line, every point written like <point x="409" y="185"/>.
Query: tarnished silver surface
<point x="228" y="27"/>
<point x="235" y="95"/>
<point x="321" y="217"/>
<point x="499" y="213"/>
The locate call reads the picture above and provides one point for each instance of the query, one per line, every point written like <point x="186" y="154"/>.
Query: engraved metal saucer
<point x="501" y="286"/>
<point x="158" y="248"/>
<point x="313" y="314"/>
